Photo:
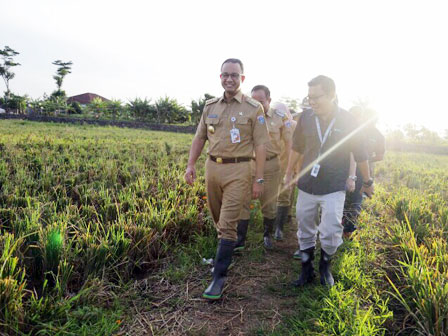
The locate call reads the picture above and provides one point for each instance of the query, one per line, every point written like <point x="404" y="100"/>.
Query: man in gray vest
<point x="324" y="138"/>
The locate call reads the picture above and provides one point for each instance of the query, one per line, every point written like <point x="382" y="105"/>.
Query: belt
<point x="229" y="160"/>
<point x="268" y="159"/>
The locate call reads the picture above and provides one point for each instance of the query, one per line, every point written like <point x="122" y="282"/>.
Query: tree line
<point x="162" y="110"/>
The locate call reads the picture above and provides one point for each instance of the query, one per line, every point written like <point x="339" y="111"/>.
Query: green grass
<point x="80" y="203"/>
<point x="85" y="210"/>
<point x="356" y="305"/>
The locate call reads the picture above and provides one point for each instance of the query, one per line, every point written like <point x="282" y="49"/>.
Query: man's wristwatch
<point x="259" y="181"/>
<point x="354" y="178"/>
<point x="368" y="183"/>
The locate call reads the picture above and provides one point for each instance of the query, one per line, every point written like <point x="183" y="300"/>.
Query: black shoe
<point x="243" y="224"/>
<point x="222" y="262"/>
<point x="282" y="216"/>
<point x="326" y="278"/>
<point x="268" y="224"/>
<point x="307" y="275"/>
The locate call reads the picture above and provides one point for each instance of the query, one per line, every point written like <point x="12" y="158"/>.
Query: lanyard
<point x="327" y="132"/>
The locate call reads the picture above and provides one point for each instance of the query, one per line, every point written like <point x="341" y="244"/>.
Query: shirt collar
<point x="333" y="113"/>
<point x="270" y="112"/>
<point x="238" y="97"/>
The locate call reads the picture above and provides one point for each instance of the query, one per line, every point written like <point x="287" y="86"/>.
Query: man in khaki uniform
<point x="235" y="127"/>
<point x="286" y="195"/>
<point x="280" y="132"/>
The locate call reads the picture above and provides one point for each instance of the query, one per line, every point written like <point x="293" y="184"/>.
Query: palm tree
<point x="7" y="55"/>
<point x="64" y="68"/>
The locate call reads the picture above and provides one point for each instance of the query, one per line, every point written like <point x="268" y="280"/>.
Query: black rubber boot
<point x="222" y="262"/>
<point x="268" y="224"/>
<point x="243" y="224"/>
<point x="307" y="275"/>
<point x="326" y="278"/>
<point x="282" y="216"/>
<point x="289" y="220"/>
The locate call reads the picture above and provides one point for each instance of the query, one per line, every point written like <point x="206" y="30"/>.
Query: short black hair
<point x="264" y="88"/>
<point x="234" y="60"/>
<point x="327" y="84"/>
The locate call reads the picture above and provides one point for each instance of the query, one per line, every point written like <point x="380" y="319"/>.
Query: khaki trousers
<point x="227" y="186"/>
<point x="268" y="199"/>
<point x="330" y="226"/>
<point x="284" y="196"/>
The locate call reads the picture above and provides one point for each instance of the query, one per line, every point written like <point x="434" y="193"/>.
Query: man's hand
<point x="367" y="190"/>
<point x="190" y="175"/>
<point x="350" y="185"/>
<point x="257" y="190"/>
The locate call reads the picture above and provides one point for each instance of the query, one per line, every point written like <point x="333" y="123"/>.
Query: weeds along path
<point x="254" y="298"/>
<point x="390" y="279"/>
<point x="259" y="299"/>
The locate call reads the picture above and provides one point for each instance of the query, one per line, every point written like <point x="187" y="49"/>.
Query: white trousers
<point x="330" y="227"/>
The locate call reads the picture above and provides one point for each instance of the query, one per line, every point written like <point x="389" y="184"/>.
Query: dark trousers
<point x="352" y="208"/>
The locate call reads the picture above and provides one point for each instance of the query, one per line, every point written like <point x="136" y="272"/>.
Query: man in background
<point x="376" y="147"/>
<point x="280" y="133"/>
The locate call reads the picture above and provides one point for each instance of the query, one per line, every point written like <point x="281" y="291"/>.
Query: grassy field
<point x="82" y="208"/>
<point x="87" y="212"/>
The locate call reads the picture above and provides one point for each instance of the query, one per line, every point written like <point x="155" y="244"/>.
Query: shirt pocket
<point x="212" y="121"/>
<point x="211" y="124"/>
<point x="242" y="120"/>
<point x="244" y="125"/>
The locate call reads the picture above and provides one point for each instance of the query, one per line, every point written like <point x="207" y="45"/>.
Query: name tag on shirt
<point x="235" y="135"/>
<point x="315" y="170"/>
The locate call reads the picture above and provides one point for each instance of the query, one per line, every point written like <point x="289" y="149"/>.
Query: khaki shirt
<point x="216" y="123"/>
<point x="280" y="131"/>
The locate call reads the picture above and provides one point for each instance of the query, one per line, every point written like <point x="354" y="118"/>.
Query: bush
<point x="15" y="103"/>
<point x="142" y="109"/>
<point x="74" y="108"/>
<point x="115" y="108"/>
<point x="170" y="111"/>
<point x="58" y="94"/>
<point x="97" y="107"/>
<point x="197" y="107"/>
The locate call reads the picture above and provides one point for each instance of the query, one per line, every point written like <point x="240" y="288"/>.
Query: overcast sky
<point x="392" y="53"/>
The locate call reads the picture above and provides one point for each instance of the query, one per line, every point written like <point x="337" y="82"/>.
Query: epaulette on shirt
<point x="212" y="101"/>
<point x="252" y="102"/>
<point x="280" y="113"/>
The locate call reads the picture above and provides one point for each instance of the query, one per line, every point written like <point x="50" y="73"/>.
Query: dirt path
<point x="257" y="296"/>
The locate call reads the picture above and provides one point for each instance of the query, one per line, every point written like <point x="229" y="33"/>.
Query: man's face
<point x="320" y="102"/>
<point x="231" y="77"/>
<point x="260" y="96"/>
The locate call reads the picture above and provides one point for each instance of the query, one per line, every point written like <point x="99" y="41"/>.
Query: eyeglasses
<point x="315" y="98"/>
<point x="226" y="75"/>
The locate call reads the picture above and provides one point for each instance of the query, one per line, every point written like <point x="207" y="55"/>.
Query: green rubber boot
<point x="222" y="262"/>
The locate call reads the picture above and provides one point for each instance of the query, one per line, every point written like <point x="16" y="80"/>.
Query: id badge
<point x="235" y="135"/>
<point x="315" y="170"/>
